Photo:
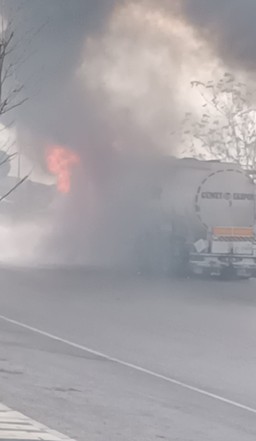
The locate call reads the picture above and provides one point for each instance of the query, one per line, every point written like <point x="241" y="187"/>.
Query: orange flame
<point x="60" y="161"/>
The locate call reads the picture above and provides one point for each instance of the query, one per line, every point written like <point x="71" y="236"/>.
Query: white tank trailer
<point x="200" y="218"/>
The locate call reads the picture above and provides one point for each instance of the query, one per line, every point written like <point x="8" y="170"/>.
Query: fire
<point x="60" y="161"/>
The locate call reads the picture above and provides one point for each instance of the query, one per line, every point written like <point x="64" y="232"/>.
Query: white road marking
<point x="131" y="365"/>
<point x="16" y="426"/>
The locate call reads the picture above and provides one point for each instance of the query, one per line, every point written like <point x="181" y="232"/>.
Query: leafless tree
<point x="226" y="128"/>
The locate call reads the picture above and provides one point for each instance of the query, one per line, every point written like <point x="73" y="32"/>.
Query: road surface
<point x="98" y="356"/>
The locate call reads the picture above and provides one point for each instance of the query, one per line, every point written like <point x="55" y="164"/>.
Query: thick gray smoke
<point x="101" y="77"/>
<point x="60" y="43"/>
<point x="52" y="35"/>
<point x="62" y="36"/>
<point x="228" y="25"/>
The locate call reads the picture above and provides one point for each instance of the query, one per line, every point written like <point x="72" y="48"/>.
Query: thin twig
<point x="14" y="188"/>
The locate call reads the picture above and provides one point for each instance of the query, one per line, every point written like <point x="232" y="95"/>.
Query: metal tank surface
<point x="208" y="194"/>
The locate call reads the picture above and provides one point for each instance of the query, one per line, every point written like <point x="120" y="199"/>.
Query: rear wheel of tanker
<point x="179" y="258"/>
<point x="227" y="274"/>
<point x="232" y="274"/>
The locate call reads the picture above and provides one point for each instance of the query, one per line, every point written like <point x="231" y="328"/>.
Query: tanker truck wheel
<point x="232" y="274"/>
<point x="179" y="258"/>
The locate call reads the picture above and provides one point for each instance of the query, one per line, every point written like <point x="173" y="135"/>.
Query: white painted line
<point x="21" y="428"/>
<point x="131" y="366"/>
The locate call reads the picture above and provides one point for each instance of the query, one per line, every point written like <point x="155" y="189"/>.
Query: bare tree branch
<point x="14" y="188"/>
<point x="7" y="108"/>
<point x="8" y="158"/>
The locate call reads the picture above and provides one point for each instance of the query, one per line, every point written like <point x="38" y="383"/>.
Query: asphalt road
<point x="158" y="331"/>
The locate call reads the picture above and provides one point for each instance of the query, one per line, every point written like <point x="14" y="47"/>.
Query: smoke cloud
<point x="227" y="25"/>
<point x="108" y="79"/>
<point x="91" y="64"/>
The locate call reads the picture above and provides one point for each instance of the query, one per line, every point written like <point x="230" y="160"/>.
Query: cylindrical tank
<point x="198" y="194"/>
<point x="208" y="194"/>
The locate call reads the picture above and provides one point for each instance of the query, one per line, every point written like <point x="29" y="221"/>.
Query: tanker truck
<point x="200" y="218"/>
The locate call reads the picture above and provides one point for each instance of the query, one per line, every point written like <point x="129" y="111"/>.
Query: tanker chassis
<point x="202" y="220"/>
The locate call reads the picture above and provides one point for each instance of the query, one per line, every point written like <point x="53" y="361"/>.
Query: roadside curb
<point x="16" y="426"/>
